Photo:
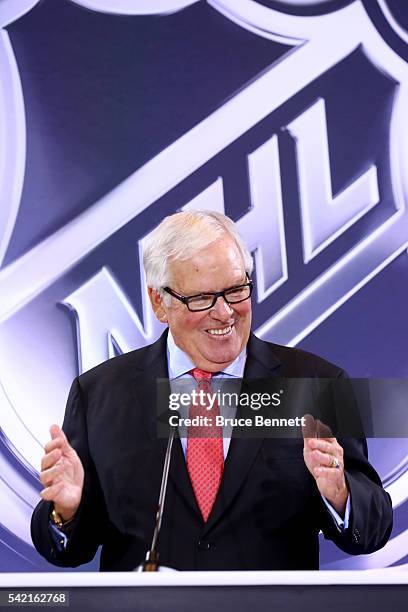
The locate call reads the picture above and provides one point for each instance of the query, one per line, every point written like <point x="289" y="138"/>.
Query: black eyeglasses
<point x="205" y="301"/>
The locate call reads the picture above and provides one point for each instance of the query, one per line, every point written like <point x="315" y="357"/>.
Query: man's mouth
<point x="220" y="331"/>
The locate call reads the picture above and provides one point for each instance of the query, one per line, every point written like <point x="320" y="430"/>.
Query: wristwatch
<point x="58" y="520"/>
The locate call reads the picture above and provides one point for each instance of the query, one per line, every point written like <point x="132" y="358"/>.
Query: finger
<point x="49" y="476"/>
<point x="323" y="459"/>
<point x="50" y="493"/>
<point x="325" y="446"/>
<point x="331" y="474"/>
<point x="309" y="427"/>
<point x="50" y="459"/>
<point x="55" y="431"/>
<point x="55" y="443"/>
<point x="58" y="434"/>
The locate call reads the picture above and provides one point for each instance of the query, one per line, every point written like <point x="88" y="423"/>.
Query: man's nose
<point x="221" y="309"/>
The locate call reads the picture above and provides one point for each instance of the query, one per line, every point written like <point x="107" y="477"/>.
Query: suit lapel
<point x="152" y="368"/>
<point x="261" y="363"/>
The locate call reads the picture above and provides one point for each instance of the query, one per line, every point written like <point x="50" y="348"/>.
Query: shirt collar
<point x="180" y="363"/>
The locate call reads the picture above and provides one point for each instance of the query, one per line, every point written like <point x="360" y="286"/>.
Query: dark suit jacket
<point x="268" y="511"/>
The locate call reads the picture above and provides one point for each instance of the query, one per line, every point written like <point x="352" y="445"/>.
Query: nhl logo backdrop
<point x="290" y="116"/>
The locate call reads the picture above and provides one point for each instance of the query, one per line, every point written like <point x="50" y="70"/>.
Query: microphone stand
<point x="151" y="563"/>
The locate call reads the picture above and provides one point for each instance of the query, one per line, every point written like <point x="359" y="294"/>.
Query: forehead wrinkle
<point x="230" y="285"/>
<point x="214" y="269"/>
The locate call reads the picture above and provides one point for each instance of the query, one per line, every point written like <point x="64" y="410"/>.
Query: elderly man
<point x="249" y="503"/>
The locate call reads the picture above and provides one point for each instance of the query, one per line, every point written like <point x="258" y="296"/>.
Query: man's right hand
<point x="62" y="475"/>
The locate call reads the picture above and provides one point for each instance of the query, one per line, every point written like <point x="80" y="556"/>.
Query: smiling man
<point x="232" y="503"/>
<point x="212" y="337"/>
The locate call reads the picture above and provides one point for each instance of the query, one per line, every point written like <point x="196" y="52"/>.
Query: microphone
<point x="151" y="563"/>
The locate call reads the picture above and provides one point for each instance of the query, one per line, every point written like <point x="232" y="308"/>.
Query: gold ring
<point x="335" y="463"/>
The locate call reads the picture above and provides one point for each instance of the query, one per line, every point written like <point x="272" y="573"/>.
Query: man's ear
<point x="156" y="300"/>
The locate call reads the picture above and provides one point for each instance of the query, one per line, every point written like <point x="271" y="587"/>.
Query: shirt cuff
<point x="60" y="539"/>
<point x="341" y="523"/>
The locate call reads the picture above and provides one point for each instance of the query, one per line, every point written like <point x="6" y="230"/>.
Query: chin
<point x="221" y="357"/>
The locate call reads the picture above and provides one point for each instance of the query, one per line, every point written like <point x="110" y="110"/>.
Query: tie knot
<point x="200" y="375"/>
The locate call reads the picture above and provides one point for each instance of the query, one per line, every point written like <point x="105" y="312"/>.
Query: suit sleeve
<point x="371" y="515"/>
<point x="85" y="531"/>
<point x="371" y="509"/>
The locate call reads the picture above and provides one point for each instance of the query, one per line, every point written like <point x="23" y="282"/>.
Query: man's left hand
<point x="324" y="459"/>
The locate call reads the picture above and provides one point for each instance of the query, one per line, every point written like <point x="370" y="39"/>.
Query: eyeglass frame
<point x="216" y="294"/>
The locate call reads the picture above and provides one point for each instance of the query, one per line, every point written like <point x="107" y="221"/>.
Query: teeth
<point x="219" y="332"/>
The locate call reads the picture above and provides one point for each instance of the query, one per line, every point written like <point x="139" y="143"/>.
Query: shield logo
<point x="322" y="205"/>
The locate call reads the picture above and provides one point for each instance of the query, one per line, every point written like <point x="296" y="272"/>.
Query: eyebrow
<point x="245" y="282"/>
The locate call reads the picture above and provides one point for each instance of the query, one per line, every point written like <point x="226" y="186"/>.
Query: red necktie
<point x="205" y="450"/>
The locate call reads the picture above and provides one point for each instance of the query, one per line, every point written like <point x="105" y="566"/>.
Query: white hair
<point x="182" y="235"/>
